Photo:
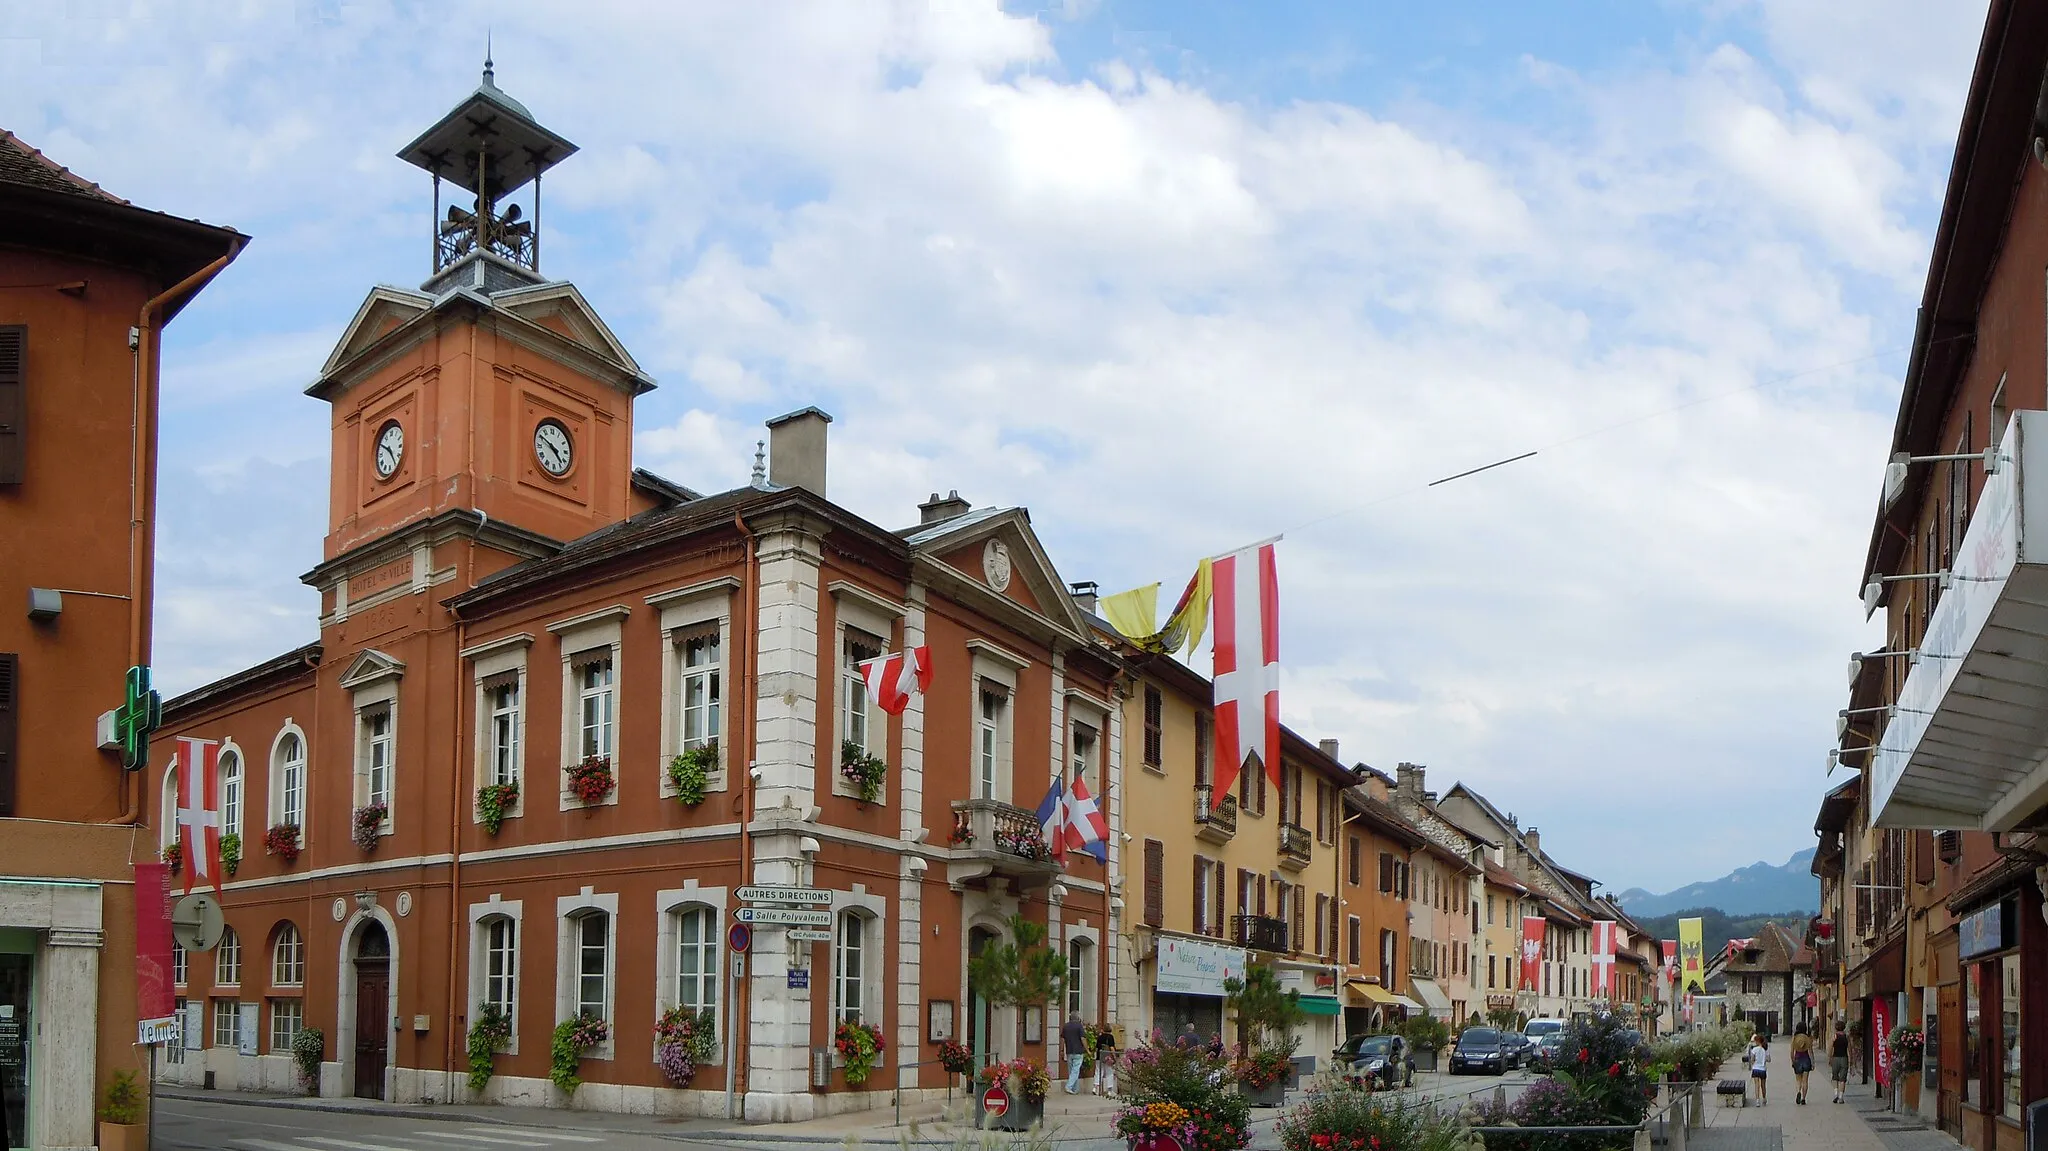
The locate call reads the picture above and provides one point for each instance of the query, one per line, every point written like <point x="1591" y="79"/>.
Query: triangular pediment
<point x="370" y="666"/>
<point x="383" y="311"/>
<point x="560" y="308"/>
<point x="963" y="545"/>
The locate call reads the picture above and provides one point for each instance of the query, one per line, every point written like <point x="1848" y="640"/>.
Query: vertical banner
<point x="1603" y="958"/>
<point x="1880" y="1032"/>
<point x="1692" y="957"/>
<point x="1670" y="947"/>
<point x="1533" y="927"/>
<point x="154" y="992"/>
<point x="198" y="820"/>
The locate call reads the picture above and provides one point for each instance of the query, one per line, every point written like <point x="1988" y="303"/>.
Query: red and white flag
<point x="198" y="814"/>
<point x="1246" y="607"/>
<point x="894" y="678"/>
<point x="1603" y="959"/>
<point x="1086" y="829"/>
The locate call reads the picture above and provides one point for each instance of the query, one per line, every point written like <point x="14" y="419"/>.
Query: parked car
<point x="1378" y="1061"/>
<point x="1479" y="1049"/>
<point x="1538" y="1028"/>
<point x="1544" y="1052"/>
<point x="1519" y="1047"/>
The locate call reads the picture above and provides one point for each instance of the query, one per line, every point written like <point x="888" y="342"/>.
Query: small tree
<point x="1266" y="1014"/>
<point x="1505" y="1018"/>
<point x="1018" y="972"/>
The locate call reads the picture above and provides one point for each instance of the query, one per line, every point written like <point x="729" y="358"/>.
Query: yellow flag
<point x="1692" y="969"/>
<point x="1133" y="612"/>
<point x="1183" y="630"/>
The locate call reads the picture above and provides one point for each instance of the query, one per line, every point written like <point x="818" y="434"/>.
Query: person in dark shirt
<point x="1074" y="1039"/>
<point x="1838" y="1064"/>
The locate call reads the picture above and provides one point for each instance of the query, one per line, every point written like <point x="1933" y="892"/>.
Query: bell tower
<point x="492" y="394"/>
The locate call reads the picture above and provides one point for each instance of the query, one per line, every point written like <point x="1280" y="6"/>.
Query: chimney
<point x="936" y="509"/>
<point x="1408" y="780"/>
<point x="1534" y="842"/>
<point x="1329" y="747"/>
<point x="796" y="450"/>
<point x="1085" y="593"/>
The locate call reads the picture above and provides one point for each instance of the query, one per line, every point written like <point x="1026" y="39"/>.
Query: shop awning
<point x="1321" y="1005"/>
<point x="1431" y="995"/>
<point x="1372" y="993"/>
<point x="1405" y="1002"/>
<point x="1967" y="744"/>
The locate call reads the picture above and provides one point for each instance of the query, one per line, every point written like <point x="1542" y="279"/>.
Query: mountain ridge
<point x="1758" y="889"/>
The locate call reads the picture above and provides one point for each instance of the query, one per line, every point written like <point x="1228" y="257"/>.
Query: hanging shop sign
<point x="1194" y="967"/>
<point x="1987" y="930"/>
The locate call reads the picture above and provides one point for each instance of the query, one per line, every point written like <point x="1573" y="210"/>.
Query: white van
<point x="1538" y="1028"/>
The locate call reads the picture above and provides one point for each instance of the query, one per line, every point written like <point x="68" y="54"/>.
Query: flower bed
<point x="590" y="779"/>
<point x="1343" y="1117"/>
<point x="1189" y="1093"/>
<point x="1599" y="1081"/>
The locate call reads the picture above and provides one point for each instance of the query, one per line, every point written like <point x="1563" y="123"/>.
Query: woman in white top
<point x="1759" y="1060"/>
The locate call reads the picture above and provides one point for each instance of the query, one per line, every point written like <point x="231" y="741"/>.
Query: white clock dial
<point x="390" y="449"/>
<point x="551" y="447"/>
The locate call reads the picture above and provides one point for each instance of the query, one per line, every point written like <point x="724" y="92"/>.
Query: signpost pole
<point x="731" y="1021"/>
<point x="149" y="1140"/>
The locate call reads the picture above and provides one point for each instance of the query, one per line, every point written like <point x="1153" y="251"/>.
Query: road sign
<point x="995" y="1100"/>
<point x="783" y="915"/>
<point x="772" y="894"/>
<point x="196" y="923"/>
<point x="739" y="937"/>
<point x="150" y="1031"/>
<point x="739" y="967"/>
<point x="799" y="979"/>
<point x="809" y="935"/>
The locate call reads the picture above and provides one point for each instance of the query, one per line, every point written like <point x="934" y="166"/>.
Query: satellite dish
<point x="1895" y="478"/>
<point x="1872" y="593"/>
<point x="196" y="923"/>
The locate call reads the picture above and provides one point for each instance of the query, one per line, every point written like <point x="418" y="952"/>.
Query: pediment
<point x="383" y="311"/>
<point x="560" y="308"/>
<point x="1033" y="581"/>
<point x="371" y="666"/>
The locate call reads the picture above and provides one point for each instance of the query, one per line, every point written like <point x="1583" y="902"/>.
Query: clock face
<point x="390" y="449"/>
<point x="552" y="448"/>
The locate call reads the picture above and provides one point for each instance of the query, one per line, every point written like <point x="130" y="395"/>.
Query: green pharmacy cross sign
<point x="139" y="714"/>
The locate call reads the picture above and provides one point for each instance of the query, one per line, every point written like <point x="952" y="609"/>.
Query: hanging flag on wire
<point x="198" y="814"/>
<point x="1134" y="614"/>
<point x="1246" y="585"/>
<point x="1086" y="829"/>
<point x="893" y="678"/>
<point x="1052" y="820"/>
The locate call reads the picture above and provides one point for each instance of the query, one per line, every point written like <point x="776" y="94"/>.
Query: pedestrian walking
<point x="1074" y="1038"/>
<point x="1759" y="1063"/>
<point x="1105" y="1062"/>
<point x="1189" y="1038"/>
<point x="1838" y="1064"/>
<point x="1802" y="1059"/>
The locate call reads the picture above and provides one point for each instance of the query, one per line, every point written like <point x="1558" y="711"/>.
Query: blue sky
<point x="1176" y="276"/>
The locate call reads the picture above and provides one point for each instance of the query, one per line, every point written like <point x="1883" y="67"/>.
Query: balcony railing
<point x="1294" y="846"/>
<point x="1259" y="932"/>
<point x="999" y="838"/>
<point x="1215" y="820"/>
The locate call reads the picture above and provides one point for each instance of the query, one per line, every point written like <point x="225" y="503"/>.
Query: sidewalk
<point x="1820" y="1125"/>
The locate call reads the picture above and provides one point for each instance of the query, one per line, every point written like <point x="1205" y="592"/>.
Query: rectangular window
<point x="1323" y="812"/>
<point x="501" y="964"/>
<point x="1354" y="873"/>
<point x="1155" y="726"/>
<point x="1217" y="927"/>
<point x="287" y="1017"/>
<point x="701" y="689"/>
<point x="180" y="965"/>
<point x="596" y="707"/>
<point x="697" y="972"/>
<point x="855" y="707"/>
<point x="848" y="970"/>
<point x="988" y="740"/>
<point x="1077" y="973"/>
<point x="1155" y="885"/>
<point x="1322" y="921"/>
<point x="1973" y="1033"/>
<point x="503" y="698"/>
<point x="1084" y="752"/>
<point x="1489" y="909"/>
<point x="1388" y="944"/>
<point x="1351" y="932"/>
<point x="2009" y="1040"/>
<point x="1244" y="892"/>
<point x="593" y="948"/>
<point x="377" y="734"/>
<point x="1492" y="970"/>
<point x="227" y="1023"/>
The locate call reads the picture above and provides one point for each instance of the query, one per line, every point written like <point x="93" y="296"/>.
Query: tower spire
<point x="489" y="79"/>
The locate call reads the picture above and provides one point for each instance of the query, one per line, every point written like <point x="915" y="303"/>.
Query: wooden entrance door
<point x="1949" y="1016"/>
<point x="373" y="1026"/>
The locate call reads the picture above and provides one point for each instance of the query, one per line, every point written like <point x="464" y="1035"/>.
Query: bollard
<point x="1681" y="1104"/>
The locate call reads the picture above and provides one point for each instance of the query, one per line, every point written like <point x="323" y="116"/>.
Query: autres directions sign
<point x="784" y="895"/>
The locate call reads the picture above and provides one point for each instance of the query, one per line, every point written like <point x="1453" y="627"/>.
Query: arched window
<point x="849" y="968"/>
<point x="501" y="962"/>
<point x="167" y="833"/>
<point x="230" y="776"/>
<point x="227" y="959"/>
<point x="288" y="958"/>
<point x="288" y="781"/>
<point x="593" y="955"/>
<point x="1078" y="968"/>
<point x="696" y="933"/>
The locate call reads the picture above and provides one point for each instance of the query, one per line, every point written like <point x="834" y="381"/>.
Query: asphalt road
<point x="183" y="1124"/>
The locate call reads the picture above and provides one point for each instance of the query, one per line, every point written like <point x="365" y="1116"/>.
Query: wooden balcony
<point x="1259" y="932"/>
<point x="1294" y="847"/>
<point x="1215" y="821"/>
<point x="993" y="839"/>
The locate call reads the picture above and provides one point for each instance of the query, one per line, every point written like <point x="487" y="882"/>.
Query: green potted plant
<point x="307" y="1048"/>
<point x="1426" y="1035"/>
<point x="689" y="774"/>
<point x="493" y="802"/>
<point x="866" y="772"/>
<point x="230" y="853"/>
<point x="121" y="1115"/>
<point x="1267" y="1016"/>
<point x="488" y="1034"/>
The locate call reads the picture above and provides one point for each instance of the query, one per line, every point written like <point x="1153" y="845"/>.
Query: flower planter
<point x="1273" y="1094"/>
<point x="1022" y="1115"/>
<point x="122" y="1137"/>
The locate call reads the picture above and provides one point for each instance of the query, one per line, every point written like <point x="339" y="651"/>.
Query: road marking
<point x="351" y="1144"/>
<point x="539" y="1134"/>
<point x="480" y="1138"/>
<point x="267" y="1145"/>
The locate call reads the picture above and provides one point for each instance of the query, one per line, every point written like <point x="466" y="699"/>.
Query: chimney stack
<point x="1085" y="593"/>
<point x="1534" y="842"/>
<point x="1329" y="747"/>
<point x="1408" y="780"/>
<point x="796" y="450"/>
<point x="937" y="509"/>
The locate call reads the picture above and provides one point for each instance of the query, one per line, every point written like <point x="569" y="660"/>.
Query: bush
<point x="492" y="1030"/>
<point x="565" y="1053"/>
<point x="1342" y="1117"/>
<point x="307" y="1048"/>
<point x="124" y="1099"/>
<point x="1427" y="1033"/>
<point x="1193" y="1079"/>
<point x="1598" y="1081"/>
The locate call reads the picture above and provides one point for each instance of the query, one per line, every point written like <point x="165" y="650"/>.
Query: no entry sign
<point x="739" y="937"/>
<point x="995" y="1100"/>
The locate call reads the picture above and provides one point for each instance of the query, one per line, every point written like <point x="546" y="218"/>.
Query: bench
<point x="1733" y="1092"/>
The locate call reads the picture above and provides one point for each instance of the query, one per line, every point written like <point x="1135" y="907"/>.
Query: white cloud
<point x="1170" y="322"/>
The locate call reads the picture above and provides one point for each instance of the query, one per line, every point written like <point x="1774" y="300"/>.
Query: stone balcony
<point x="1294" y="847"/>
<point x="1215" y="820"/>
<point x="993" y="839"/>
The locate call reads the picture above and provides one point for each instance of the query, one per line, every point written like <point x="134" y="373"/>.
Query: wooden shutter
<point x="1216" y="925"/>
<point x="1386" y="872"/>
<point x="10" y="711"/>
<point x="1949" y="846"/>
<point x="13" y="404"/>
<point x="1351" y="941"/>
<point x="1155" y="884"/>
<point x="1354" y="875"/>
<point x="1923" y="857"/>
<point x="1155" y="708"/>
<point x="1201" y="896"/>
<point x="1259" y="791"/>
<point x="1298" y="912"/>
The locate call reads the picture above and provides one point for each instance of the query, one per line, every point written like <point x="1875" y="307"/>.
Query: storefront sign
<point x="1985" y="931"/>
<point x="1500" y="1001"/>
<point x="1881" y="1025"/>
<point x="1193" y="967"/>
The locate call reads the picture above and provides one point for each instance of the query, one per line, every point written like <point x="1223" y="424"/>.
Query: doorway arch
<point x="365" y="1024"/>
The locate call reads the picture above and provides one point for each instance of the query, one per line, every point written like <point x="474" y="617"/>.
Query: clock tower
<point x="491" y="403"/>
